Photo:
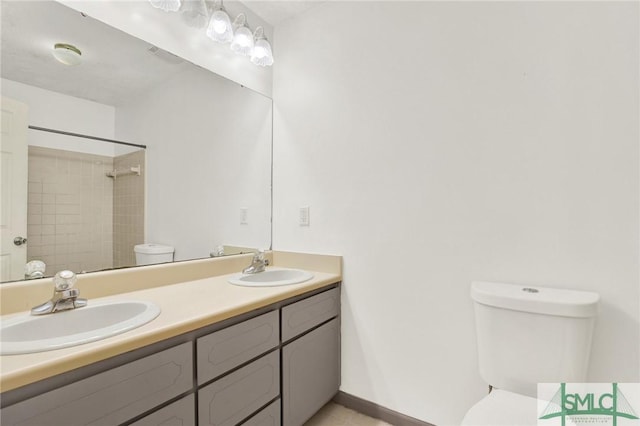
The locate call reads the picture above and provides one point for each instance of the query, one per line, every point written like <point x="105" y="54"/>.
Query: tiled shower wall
<point x="78" y="218"/>
<point x="70" y="210"/>
<point x="128" y="209"/>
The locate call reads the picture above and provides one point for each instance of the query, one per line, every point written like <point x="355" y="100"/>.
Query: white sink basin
<point x="28" y="333"/>
<point x="272" y="277"/>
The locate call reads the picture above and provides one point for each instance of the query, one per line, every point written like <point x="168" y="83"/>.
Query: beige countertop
<point x="185" y="307"/>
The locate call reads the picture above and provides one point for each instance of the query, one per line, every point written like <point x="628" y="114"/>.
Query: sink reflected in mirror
<point x="25" y="333"/>
<point x="272" y="277"/>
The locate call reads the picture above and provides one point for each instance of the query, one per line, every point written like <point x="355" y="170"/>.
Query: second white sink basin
<point x="272" y="277"/>
<point x="28" y="333"/>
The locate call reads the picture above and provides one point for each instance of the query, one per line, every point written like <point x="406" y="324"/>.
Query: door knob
<point x="19" y="241"/>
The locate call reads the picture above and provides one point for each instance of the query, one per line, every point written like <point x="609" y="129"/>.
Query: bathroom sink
<point x="272" y="277"/>
<point x="28" y="333"/>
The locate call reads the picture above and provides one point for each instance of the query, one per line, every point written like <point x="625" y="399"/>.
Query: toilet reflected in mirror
<point x="149" y="254"/>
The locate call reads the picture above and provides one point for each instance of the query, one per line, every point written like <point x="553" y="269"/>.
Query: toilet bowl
<point x="149" y="254"/>
<point x="503" y="408"/>
<point x="528" y="335"/>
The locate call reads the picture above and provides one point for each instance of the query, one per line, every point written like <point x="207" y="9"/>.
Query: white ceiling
<point x="115" y="66"/>
<point x="121" y="63"/>
<point x="277" y="11"/>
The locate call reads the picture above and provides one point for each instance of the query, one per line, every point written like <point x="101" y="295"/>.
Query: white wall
<point x="67" y="113"/>
<point x="205" y="162"/>
<point x="168" y="31"/>
<point x="443" y="142"/>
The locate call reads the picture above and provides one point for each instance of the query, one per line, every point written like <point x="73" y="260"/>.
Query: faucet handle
<point x="71" y="293"/>
<point x="64" y="280"/>
<point x="34" y="269"/>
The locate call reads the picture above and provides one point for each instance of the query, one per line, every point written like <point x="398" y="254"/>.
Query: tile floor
<point x="333" y="414"/>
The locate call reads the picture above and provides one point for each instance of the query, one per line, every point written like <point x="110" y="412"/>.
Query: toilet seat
<point x="503" y="408"/>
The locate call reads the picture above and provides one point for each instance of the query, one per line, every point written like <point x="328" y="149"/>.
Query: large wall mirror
<point x="199" y="179"/>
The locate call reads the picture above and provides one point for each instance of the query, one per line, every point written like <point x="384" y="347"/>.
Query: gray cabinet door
<point x="310" y="373"/>
<point x="223" y="350"/>
<point x="111" y="397"/>
<point x="233" y="398"/>
<point x="269" y="416"/>
<point x="180" y="413"/>
<point x="307" y="313"/>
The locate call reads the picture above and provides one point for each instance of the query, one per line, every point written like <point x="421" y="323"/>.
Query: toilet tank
<point x="149" y="254"/>
<point x="529" y="334"/>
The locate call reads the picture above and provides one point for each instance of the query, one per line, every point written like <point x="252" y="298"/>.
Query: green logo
<point x="586" y="405"/>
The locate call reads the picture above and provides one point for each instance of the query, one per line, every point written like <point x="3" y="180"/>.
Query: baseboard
<point x="376" y="411"/>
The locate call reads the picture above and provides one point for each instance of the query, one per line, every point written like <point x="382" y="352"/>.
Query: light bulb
<point x="166" y="5"/>
<point x="242" y="41"/>
<point x="194" y="13"/>
<point x="219" y="28"/>
<point x="262" y="54"/>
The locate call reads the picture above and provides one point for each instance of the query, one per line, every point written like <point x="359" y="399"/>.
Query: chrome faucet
<point x="258" y="263"/>
<point x="64" y="297"/>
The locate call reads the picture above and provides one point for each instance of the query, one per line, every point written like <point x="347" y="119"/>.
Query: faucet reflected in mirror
<point x="34" y="269"/>
<point x="258" y="264"/>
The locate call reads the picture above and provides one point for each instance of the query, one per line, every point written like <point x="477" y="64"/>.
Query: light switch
<point x="304" y="216"/>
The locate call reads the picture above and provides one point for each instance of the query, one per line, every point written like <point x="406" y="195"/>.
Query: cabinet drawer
<point x="307" y="313"/>
<point x="310" y="373"/>
<point x="223" y="350"/>
<point x="111" y="397"/>
<point x="228" y="401"/>
<point x="180" y="413"/>
<point x="269" y="416"/>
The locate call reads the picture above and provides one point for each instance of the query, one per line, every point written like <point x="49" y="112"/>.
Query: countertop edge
<point x="124" y="343"/>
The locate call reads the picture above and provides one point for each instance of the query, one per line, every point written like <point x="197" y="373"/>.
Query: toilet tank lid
<point x="536" y="299"/>
<point x="151" y="248"/>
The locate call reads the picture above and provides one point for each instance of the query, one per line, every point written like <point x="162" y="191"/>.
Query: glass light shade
<point x="166" y="5"/>
<point x="219" y="28"/>
<point x="194" y="13"/>
<point x="242" y="43"/>
<point x="262" y="54"/>
<point x="67" y="54"/>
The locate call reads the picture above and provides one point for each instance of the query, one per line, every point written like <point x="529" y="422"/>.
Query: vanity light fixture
<point x="67" y="54"/>
<point x="195" y="13"/>
<point x="242" y="43"/>
<point x="166" y="5"/>
<point x="261" y="54"/>
<point x="220" y="28"/>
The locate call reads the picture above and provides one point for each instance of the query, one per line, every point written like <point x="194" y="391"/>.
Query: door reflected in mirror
<point x="202" y="183"/>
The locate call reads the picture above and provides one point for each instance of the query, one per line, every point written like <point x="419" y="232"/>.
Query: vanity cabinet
<point x="311" y="361"/>
<point x="232" y="399"/>
<point x="269" y="416"/>
<point x="180" y="413"/>
<point x="228" y="348"/>
<point x="273" y="367"/>
<point x="111" y="397"/>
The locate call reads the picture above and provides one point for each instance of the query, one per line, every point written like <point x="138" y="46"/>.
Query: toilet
<point x="528" y="335"/>
<point x="149" y="254"/>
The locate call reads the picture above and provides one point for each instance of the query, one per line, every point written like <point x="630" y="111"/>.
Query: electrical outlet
<point x="304" y="216"/>
<point x="244" y="212"/>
